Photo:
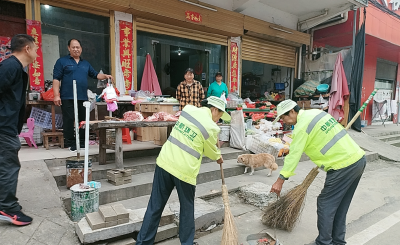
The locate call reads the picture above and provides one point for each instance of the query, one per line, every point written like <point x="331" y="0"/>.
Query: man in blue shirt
<point x="69" y="68"/>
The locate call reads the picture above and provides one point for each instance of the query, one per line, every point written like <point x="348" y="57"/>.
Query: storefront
<point x="269" y="59"/>
<point x="381" y="56"/>
<point x="12" y="16"/>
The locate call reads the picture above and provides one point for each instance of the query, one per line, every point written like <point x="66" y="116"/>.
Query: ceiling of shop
<point x="288" y="13"/>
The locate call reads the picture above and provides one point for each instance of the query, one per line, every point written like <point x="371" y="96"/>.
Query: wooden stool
<point x="59" y="141"/>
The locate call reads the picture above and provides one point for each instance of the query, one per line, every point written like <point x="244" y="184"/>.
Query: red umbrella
<point x="149" y="79"/>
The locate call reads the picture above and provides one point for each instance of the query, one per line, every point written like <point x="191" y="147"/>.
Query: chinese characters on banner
<point x="5" y="42"/>
<point x="125" y="49"/>
<point x="36" y="77"/>
<point x="193" y="16"/>
<point x="234" y="67"/>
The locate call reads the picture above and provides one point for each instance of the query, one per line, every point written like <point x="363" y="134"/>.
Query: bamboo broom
<point x="229" y="233"/>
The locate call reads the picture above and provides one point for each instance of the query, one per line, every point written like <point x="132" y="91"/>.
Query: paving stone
<point x="107" y="213"/>
<point x="49" y="233"/>
<point x="121" y="211"/>
<point x="205" y="213"/>
<point x="123" y="221"/>
<point x="87" y="235"/>
<point x="165" y="232"/>
<point x="95" y="221"/>
<point x="112" y="223"/>
<point x="12" y="236"/>
<point x="34" y="242"/>
<point x="167" y="217"/>
<point x="257" y="194"/>
<point x="127" y="241"/>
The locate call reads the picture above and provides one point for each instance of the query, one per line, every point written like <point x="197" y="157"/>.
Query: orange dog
<point x="257" y="160"/>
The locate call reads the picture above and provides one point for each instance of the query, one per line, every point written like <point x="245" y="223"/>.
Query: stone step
<point x="387" y="138"/>
<point x="139" y="165"/>
<point x="394" y="142"/>
<point x="142" y="183"/>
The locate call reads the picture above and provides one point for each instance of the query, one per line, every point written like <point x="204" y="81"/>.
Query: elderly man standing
<point x="69" y="68"/>
<point x="13" y="83"/>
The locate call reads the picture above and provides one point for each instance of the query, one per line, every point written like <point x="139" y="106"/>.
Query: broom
<point x="229" y="234"/>
<point x="285" y="212"/>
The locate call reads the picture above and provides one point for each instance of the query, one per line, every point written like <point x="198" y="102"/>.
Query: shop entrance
<point x="171" y="56"/>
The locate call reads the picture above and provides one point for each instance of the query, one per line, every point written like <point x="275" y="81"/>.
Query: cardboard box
<point x="304" y="104"/>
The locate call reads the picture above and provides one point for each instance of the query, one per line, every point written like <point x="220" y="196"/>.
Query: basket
<point x="43" y="118"/>
<point x="257" y="146"/>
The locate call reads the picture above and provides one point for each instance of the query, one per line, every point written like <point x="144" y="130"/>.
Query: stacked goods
<point x="108" y="216"/>
<point x="161" y="116"/>
<point x="119" y="176"/>
<point x="133" y="116"/>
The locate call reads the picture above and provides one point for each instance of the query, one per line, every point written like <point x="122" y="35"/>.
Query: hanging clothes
<point x="339" y="90"/>
<point x="149" y="80"/>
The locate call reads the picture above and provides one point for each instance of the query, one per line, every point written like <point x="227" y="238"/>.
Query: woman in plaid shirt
<point x="190" y="91"/>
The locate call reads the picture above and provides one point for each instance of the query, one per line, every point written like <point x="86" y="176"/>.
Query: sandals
<point x="195" y="243"/>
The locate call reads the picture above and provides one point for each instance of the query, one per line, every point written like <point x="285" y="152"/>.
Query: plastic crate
<point x="258" y="146"/>
<point x="43" y="118"/>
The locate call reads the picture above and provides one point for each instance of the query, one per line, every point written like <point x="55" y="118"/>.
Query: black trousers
<point x="334" y="202"/>
<point x="67" y="108"/>
<point x="9" y="170"/>
<point x="163" y="184"/>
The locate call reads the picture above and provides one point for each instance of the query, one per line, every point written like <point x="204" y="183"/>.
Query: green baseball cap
<point x="220" y="104"/>
<point x="284" y="107"/>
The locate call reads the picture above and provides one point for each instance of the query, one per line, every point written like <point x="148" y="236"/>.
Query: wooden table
<point x="118" y="125"/>
<point x="53" y="110"/>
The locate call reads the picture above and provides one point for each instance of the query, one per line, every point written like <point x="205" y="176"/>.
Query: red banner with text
<point x="234" y="67"/>
<point x="36" y="77"/>
<point x="125" y="49"/>
<point x="5" y="52"/>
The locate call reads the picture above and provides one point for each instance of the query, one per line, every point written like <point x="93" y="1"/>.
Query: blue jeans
<point x="334" y="201"/>
<point x="163" y="184"/>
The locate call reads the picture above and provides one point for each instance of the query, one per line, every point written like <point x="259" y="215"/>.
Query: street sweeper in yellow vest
<point x="178" y="164"/>
<point x="329" y="146"/>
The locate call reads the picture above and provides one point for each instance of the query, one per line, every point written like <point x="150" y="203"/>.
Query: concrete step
<point x="394" y="142"/>
<point x="139" y="165"/>
<point x="142" y="183"/>
<point x="387" y="138"/>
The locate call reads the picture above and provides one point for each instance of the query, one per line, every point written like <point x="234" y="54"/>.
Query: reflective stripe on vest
<point x="314" y="121"/>
<point x="333" y="141"/>
<point x="184" y="147"/>
<point x="197" y="123"/>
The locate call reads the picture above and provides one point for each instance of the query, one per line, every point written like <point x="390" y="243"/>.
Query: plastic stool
<point x="126" y="136"/>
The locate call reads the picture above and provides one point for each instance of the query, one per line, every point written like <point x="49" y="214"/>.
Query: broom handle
<point x="220" y="166"/>
<point x="361" y="109"/>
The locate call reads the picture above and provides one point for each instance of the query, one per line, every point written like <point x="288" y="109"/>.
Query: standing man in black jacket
<point x="13" y="84"/>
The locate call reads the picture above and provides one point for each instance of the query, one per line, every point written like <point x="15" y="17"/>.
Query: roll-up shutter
<point x="170" y="30"/>
<point x="263" y="51"/>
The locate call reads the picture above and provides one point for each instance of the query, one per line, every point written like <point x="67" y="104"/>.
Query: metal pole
<point x="354" y="34"/>
<point x="78" y="147"/>
<point x="85" y="172"/>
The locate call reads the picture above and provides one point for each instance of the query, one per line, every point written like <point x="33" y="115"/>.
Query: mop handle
<point x="361" y="109"/>
<point x="78" y="148"/>
<point x="86" y="104"/>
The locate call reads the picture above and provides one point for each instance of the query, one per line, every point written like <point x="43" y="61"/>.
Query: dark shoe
<point x="72" y="148"/>
<point x="16" y="218"/>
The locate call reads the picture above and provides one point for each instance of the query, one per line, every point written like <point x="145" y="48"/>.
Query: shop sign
<point x="125" y="49"/>
<point x="36" y="77"/>
<point x="234" y="66"/>
<point x="5" y="52"/>
<point x="193" y="16"/>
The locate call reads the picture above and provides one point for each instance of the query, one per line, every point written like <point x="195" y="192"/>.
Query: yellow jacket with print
<point x="324" y="141"/>
<point x="194" y="134"/>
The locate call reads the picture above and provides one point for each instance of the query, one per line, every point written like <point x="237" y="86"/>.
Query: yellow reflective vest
<point x="324" y="140"/>
<point x="194" y="134"/>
